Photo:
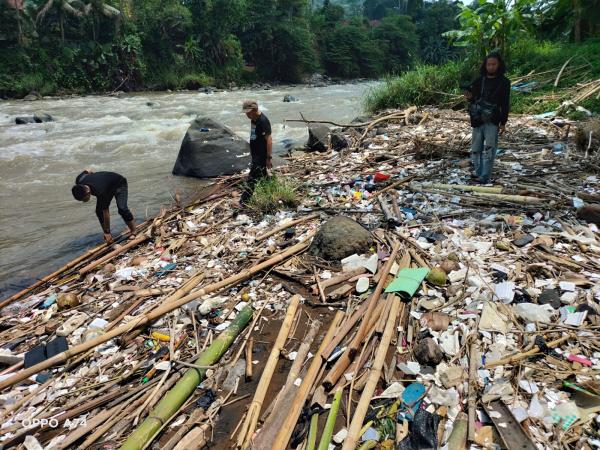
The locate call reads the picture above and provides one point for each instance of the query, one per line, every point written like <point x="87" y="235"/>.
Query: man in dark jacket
<point x="104" y="186"/>
<point x="261" y="146"/>
<point x="489" y="98"/>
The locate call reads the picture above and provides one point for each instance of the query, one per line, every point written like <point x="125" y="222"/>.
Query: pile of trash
<point x="399" y="306"/>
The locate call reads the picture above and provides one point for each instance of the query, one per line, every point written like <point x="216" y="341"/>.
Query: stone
<point x="22" y="120"/>
<point x="582" y="135"/>
<point x="427" y="352"/>
<point x="589" y="213"/>
<point x="340" y="237"/>
<point x="338" y="141"/>
<point x="289" y="98"/>
<point x="318" y="136"/>
<point x="210" y="149"/>
<point x="32" y="96"/>
<point x="41" y="117"/>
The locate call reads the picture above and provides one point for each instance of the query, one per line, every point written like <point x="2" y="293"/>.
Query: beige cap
<point x="249" y="105"/>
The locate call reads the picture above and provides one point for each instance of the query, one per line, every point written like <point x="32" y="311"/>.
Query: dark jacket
<point x="495" y="90"/>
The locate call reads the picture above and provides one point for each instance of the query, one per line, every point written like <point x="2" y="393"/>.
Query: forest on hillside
<point x="80" y="46"/>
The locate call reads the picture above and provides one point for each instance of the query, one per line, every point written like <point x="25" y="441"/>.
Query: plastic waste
<point x="530" y="312"/>
<point x="94" y="329"/>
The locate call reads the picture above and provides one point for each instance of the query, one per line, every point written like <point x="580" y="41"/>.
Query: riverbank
<point x="520" y="277"/>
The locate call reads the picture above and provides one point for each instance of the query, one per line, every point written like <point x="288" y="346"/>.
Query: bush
<point x="424" y="85"/>
<point x="272" y="193"/>
<point x="195" y="81"/>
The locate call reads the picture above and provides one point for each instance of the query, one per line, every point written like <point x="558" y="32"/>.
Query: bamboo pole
<point x="311" y="441"/>
<point x="112" y="254"/>
<point x="293" y="412"/>
<point x="458" y="187"/>
<point x="196" y="439"/>
<point x="285" y="226"/>
<point x="351" y="440"/>
<point x="187" y="384"/>
<point x="331" y="418"/>
<point x="339" y="279"/>
<point x="472" y="396"/>
<point x="166" y="306"/>
<point x="253" y="413"/>
<point x="357" y="341"/>
<point x="249" y="346"/>
<point x="520" y="356"/>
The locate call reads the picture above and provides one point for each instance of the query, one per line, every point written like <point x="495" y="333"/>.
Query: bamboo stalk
<point x="166" y="307"/>
<point x="457" y="187"/>
<point x="187" y="384"/>
<point x="524" y="199"/>
<point x="523" y="355"/>
<point x="331" y="418"/>
<point x="351" y="440"/>
<point x="249" y="345"/>
<point x="472" y="396"/>
<point x="285" y="226"/>
<point x="249" y="426"/>
<point x="339" y="279"/>
<point x="112" y="254"/>
<point x="196" y="417"/>
<point x="293" y="412"/>
<point x="357" y="341"/>
<point x="196" y="439"/>
<point x="311" y="441"/>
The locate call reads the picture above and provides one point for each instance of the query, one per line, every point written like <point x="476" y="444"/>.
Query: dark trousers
<point x="257" y="171"/>
<point x="121" y="199"/>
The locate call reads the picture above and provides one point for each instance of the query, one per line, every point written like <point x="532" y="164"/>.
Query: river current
<point x="42" y="227"/>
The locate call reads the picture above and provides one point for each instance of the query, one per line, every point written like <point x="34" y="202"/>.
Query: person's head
<point x="81" y="192"/>
<point x="250" y="108"/>
<point x="493" y="65"/>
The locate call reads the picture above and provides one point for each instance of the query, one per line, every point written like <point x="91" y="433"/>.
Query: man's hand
<point x="269" y="163"/>
<point x="502" y="128"/>
<point x="108" y="238"/>
<point x="468" y="95"/>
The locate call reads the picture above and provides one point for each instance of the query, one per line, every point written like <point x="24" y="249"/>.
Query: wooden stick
<point x="112" y="254"/>
<point x="319" y="287"/>
<point x="457" y="187"/>
<point x="351" y="441"/>
<point x="249" y="426"/>
<point x="249" y="346"/>
<point x="293" y="412"/>
<point x="339" y="279"/>
<point x="512" y="198"/>
<point x="285" y="226"/>
<point x="472" y="402"/>
<point x="165" y="307"/>
<point x="357" y="341"/>
<point x="519" y="356"/>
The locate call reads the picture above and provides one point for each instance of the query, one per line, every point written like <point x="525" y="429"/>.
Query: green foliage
<point x="396" y="37"/>
<point x="489" y="25"/>
<point x="432" y="21"/>
<point x="273" y="193"/>
<point x="423" y="85"/>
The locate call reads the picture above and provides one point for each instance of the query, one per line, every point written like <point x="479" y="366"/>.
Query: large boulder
<point x="22" y="120"/>
<point x="210" y="149"/>
<point x="289" y="98"/>
<point x="340" y="237"/>
<point x="338" y="141"/>
<point x="318" y="137"/>
<point x="38" y="117"/>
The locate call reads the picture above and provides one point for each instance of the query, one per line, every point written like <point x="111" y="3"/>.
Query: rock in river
<point x="318" y="136"/>
<point x="210" y="149"/>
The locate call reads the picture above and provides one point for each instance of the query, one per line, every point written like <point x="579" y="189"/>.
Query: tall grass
<point x="435" y="85"/>
<point x="273" y="193"/>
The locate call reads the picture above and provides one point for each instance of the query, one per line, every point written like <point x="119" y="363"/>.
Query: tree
<point x="63" y="8"/>
<point x="378" y="9"/>
<point x="432" y="21"/>
<point x="396" y="36"/>
<point x="486" y="26"/>
<point x="577" y="19"/>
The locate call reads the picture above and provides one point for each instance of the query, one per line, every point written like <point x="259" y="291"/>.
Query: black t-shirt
<point x="103" y="186"/>
<point x="495" y="90"/>
<point x="260" y="130"/>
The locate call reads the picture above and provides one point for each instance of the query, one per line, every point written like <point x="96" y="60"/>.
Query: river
<point x="42" y="227"/>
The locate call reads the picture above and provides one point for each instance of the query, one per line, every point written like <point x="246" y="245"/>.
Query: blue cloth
<point x="484" y="145"/>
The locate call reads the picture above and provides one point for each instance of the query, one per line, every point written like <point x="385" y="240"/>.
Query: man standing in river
<point x="261" y="146"/>
<point x="104" y="186"/>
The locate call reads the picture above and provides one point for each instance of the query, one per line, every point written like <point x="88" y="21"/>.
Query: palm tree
<point x="64" y="7"/>
<point x="98" y="8"/>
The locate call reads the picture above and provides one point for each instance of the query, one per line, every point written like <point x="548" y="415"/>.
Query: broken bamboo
<point x="285" y="226"/>
<point x="138" y="240"/>
<point x="253" y="413"/>
<point x="351" y="440"/>
<point x="293" y="412"/>
<point x="165" y="307"/>
<point x="187" y="384"/>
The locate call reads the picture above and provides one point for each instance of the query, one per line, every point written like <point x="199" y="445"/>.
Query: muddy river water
<point x="42" y="227"/>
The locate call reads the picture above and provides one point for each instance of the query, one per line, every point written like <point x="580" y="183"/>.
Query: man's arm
<point x="103" y="215"/>
<point x="505" y="105"/>
<point x="269" y="151"/>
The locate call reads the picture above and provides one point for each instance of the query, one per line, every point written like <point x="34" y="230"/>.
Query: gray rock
<point x="210" y="149"/>
<point x="340" y="237"/>
<point x="318" y="136"/>
<point x="289" y="98"/>
<point x="338" y="141"/>
<point x="22" y="120"/>
<point x="32" y="96"/>
<point x="41" y="117"/>
<point x="427" y="352"/>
